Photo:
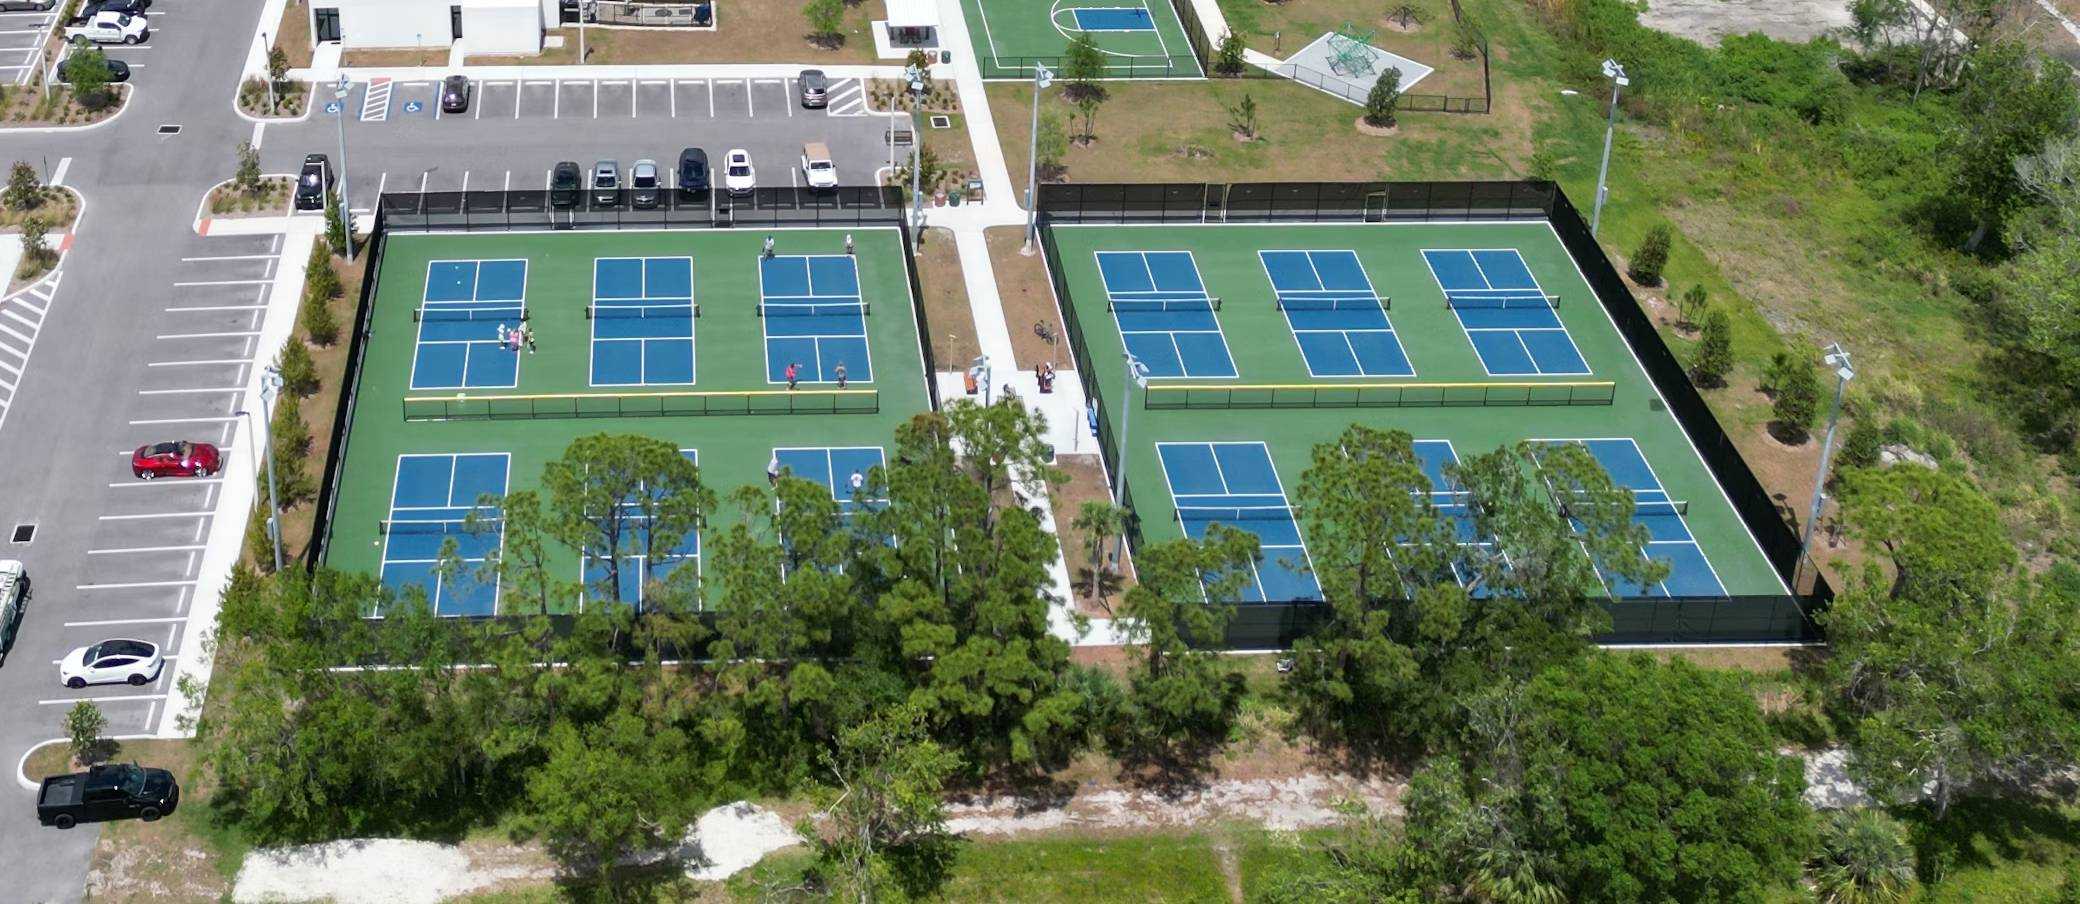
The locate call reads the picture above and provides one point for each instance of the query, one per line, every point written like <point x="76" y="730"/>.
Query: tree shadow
<point x="1109" y="585"/>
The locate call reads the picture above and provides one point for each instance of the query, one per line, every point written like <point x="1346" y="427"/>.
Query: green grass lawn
<point x="1264" y="350"/>
<point x="730" y="355"/>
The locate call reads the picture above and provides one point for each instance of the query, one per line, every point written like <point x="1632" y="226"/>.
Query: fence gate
<point x="1376" y="207"/>
<point x="1216" y="209"/>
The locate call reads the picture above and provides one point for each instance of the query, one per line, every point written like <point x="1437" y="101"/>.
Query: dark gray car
<point x="455" y="94"/>
<point x="693" y="173"/>
<point x="816" y="89"/>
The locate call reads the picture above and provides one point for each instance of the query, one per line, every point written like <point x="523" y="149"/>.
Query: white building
<point x="482" y="26"/>
<point x="911" y="25"/>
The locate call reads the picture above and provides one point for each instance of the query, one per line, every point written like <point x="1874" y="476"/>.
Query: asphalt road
<point x="146" y="328"/>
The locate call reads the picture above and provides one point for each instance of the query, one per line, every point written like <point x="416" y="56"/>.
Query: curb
<point x="21" y="766"/>
<point x="40" y="130"/>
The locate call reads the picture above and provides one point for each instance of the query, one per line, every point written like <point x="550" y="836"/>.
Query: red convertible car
<point x="175" y="459"/>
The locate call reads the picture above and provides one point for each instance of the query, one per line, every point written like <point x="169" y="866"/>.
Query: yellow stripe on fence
<point x="465" y="406"/>
<point x="1380" y="395"/>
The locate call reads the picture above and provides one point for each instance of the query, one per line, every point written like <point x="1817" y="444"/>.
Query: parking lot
<point x="398" y="138"/>
<point x="145" y="545"/>
<point x="21" y="36"/>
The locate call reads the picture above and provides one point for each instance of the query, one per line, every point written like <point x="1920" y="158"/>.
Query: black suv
<point x="566" y="182"/>
<point x="693" y="174"/>
<point x="314" y="183"/>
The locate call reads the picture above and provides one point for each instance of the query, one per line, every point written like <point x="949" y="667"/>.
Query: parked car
<point x="693" y="173"/>
<point x="10" y="6"/>
<point x="108" y="28"/>
<point x="816" y="89"/>
<point x="566" y="183"/>
<point x="179" y="458"/>
<point x="313" y="185"/>
<point x="737" y="175"/>
<point x="606" y="183"/>
<point x="817" y="167"/>
<point x="107" y="791"/>
<point x="110" y="661"/>
<point x="644" y="186"/>
<point x="126" y="7"/>
<point x="455" y="94"/>
<point x="118" y="71"/>
<point x="14" y="592"/>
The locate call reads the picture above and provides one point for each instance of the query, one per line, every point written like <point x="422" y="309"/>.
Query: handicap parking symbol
<point x="332" y="107"/>
<point x="413" y="106"/>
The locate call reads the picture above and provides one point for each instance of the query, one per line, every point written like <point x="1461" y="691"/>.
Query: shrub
<point x="1690" y="304"/>
<point x="247" y="176"/>
<point x="1651" y="257"/>
<point x="826" y="18"/>
<point x="87" y="71"/>
<point x="1054" y="142"/>
<point x="1382" y="99"/>
<point x="24" y="187"/>
<point x="1714" y="350"/>
<point x="292" y="450"/>
<point x="1798" y="399"/>
<point x="84" y="724"/>
<point x="319" y="323"/>
<point x="299" y="372"/>
<point x="335" y="227"/>
<point x="1227" y="60"/>
<point x="1860" y="447"/>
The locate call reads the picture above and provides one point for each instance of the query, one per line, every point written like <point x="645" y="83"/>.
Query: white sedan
<point x="737" y="174"/>
<point x="110" y="661"/>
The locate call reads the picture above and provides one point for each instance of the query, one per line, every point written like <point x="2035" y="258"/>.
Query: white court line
<point x="112" y="551"/>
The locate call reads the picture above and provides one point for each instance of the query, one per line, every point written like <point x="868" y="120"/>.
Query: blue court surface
<point x="1339" y="321"/>
<point x="1163" y="312"/>
<point x="1234" y="484"/>
<point x="814" y="317"/>
<point x="434" y="495"/>
<point x="468" y="305"/>
<point x="1435" y="455"/>
<point x="637" y="570"/>
<point x="1114" y="18"/>
<point x="834" y="467"/>
<point x="642" y="316"/>
<point x="1690" y="573"/>
<point x="1508" y="318"/>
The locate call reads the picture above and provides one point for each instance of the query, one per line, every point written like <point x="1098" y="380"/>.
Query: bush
<point x="1054" y="142"/>
<point x="1690" y="304"/>
<point x="319" y="323"/>
<point x="826" y="19"/>
<point x="84" y="724"/>
<point x="1651" y="257"/>
<point x="335" y="227"/>
<point x="1714" y="350"/>
<point x="1227" y="60"/>
<point x="247" y="176"/>
<point x="319" y="277"/>
<point x="1798" y="400"/>
<point x="257" y="538"/>
<point x="24" y="187"/>
<point x="292" y="451"/>
<point x="1382" y="99"/>
<point x="1860" y="447"/>
<point x="299" y="372"/>
<point x="87" y="71"/>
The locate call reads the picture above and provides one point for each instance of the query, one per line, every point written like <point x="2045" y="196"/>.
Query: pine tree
<point x="1714" y="350"/>
<point x="1651" y="257"/>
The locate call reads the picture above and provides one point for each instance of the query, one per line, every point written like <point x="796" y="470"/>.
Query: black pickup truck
<point x="112" y="791"/>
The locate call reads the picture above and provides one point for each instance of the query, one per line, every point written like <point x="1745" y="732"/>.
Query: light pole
<point x="584" y="12"/>
<point x="1616" y="74"/>
<point x="1041" y="79"/>
<point x="1137" y="375"/>
<point x="1837" y="358"/>
<point x="346" y="221"/>
<point x="914" y="76"/>
<point x="270" y="385"/>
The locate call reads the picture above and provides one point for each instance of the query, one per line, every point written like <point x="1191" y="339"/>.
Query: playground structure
<point x="1351" y="52"/>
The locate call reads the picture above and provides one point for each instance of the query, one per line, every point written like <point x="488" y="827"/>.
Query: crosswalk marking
<point x="14" y="360"/>
<point x="375" y="103"/>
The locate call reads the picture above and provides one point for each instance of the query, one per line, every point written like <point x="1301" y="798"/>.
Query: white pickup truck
<point x="108" y="27"/>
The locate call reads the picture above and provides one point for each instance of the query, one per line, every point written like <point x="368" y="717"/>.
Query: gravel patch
<point x="1279" y="804"/>
<point x="731" y="838"/>
<point x="368" y="871"/>
<point x="1708" y="21"/>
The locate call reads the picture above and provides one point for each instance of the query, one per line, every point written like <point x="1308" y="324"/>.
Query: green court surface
<point x="1139" y="38"/>
<point x="639" y="346"/>
<point x="1507" y="339"/>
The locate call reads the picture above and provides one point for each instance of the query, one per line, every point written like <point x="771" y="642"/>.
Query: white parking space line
<point x="191" y="391"/>
<point x="147" y="422"/>
<point x="216" y="307"/>
<point x="4" y="328"/>
<point x="135" y="585"/>
<point x="201" y="361"/>
<point x="114" y="551"/>
<point x="123" y="621"/>
<point x="154" y="516"/>
<point x="140" y="698"/>
<point x="10" y="312"/>
<point x="225" y="335"/>
<point x="595" y="98"/>
<point x="224" y="282"/>
<point x="711" y="98"/>
<point x="230" y="257"/>
<point x="185" y="482"/>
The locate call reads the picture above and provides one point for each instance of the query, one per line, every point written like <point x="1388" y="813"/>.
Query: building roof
<point x="913" y="13"/>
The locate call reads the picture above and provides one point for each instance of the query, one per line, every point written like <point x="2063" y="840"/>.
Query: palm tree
<point x="1865" y="858"/>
